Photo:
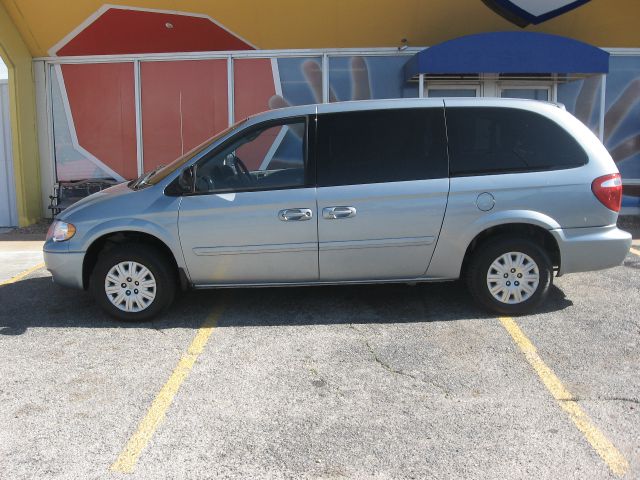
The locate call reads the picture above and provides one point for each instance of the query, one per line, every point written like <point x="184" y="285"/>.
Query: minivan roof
<point x="363" y="105"/>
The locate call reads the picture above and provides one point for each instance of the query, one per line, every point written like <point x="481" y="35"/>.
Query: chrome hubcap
<point x="513" y="278"/>
<point x="129" y="286"/>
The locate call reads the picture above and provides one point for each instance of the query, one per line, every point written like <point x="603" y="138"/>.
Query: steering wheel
<point x="242" y="168"/>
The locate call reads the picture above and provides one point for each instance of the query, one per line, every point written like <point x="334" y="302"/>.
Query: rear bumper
<point x="65" y="267"/>
<point x="586" y="249"/>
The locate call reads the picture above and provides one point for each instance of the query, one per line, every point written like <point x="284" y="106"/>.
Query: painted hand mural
<point x="621" y="133"/>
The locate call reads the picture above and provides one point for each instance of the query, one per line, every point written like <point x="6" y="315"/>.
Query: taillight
<point x="608" y="189"/>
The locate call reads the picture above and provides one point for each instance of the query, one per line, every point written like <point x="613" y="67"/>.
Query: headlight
<point x="61" y="231"/>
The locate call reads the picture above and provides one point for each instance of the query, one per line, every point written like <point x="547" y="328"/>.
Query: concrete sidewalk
<point x="16" y="256"/>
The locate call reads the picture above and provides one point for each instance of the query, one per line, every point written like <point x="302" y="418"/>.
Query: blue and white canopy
<point x="509" y="53"/>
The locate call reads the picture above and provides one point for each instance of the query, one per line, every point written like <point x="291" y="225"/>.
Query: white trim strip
<point x="603" y="93"/>
<point x="138" y="105"/>
<point x="231" y="92"/>
<point x="275" y="69"/>
<point x="325" y="79"/>
<point x="332" y="52"/>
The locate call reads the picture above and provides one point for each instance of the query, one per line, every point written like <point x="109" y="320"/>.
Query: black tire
<point x="154" y="260"/>
<point x="489" y="251"/>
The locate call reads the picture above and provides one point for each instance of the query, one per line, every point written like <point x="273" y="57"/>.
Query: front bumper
<point x="65" y="267"/>
<point x="587" y="249"/>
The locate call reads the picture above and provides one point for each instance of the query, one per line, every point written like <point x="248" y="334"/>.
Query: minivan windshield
<point x="161" y="172"/>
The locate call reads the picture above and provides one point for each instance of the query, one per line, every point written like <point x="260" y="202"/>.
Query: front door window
<point x="266" y="158"/>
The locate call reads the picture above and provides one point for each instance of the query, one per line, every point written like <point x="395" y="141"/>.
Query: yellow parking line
<point x="601" y="444"/>
<point x="126" y="462"/>
<point x="21" y="275"/>
<point x="635" y="251"/>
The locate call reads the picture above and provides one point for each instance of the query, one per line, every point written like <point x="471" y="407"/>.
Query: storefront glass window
<point x="582" y="98"/>
<point x="451" y="92"/>
<point x="622" y="114"/>
<point x="262" y="84"/>
<point x="527" y="93"/>
<point x="183" y="104"/>
<point x="94" y="127"/>
<point x="370" y="77"/>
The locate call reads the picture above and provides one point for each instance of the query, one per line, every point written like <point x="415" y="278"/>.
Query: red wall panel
<point x="253" y="86"/>
<point x="102" y="102"/>
<point x="119" y="31"/>
<point x="183" y="104"/>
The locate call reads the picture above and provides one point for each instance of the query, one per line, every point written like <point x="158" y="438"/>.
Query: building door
<point x="492" y="86"/>
<point x="8" y="214"/>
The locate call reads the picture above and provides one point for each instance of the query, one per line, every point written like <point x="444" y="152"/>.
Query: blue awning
<point x="509" y="53"/>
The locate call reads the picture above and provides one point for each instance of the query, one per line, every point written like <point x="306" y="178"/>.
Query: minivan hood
<point x="98" y="197"/>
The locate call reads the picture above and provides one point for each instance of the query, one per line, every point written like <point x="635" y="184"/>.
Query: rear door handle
<point x="336" y="213"/>
<point x="295" y="214"/>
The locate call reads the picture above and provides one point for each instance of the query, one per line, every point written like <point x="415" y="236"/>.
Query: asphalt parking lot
<point x="328" y="382"/>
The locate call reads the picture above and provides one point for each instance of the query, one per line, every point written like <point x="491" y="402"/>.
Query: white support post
<point x="138" y="102"/>
<point x="45" y="136"/>
<point x="421" y="85"/>
<point x="230" y="90"/>
<point x="603" y="105"/>
<point x="489" y="85"/>
<point x="325" y="78"/>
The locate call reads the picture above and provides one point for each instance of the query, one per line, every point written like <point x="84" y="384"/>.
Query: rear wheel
<point x="133" y="282"/>
<point x="509" y="275"/>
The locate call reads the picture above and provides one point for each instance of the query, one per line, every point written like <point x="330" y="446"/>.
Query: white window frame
<point x="452" y="85"/>
<point x="549" y="86"/>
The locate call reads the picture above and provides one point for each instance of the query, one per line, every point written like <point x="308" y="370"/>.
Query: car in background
<point x="504" y="193"/>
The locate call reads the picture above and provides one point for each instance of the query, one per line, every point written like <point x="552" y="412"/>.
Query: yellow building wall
<point x="281" y="24"/>
<point x="26" y="165"/>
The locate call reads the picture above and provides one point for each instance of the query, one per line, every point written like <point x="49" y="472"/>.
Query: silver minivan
<point x="502" y="193"/>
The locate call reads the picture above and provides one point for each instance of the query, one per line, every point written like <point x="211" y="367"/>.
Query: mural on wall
<point x="94" y="104"/>
<point x="182" y="102"/>
<point x="185" y="102"/>
<point x="621" y="116"/>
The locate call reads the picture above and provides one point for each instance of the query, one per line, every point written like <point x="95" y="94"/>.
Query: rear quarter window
<point x="485" y="141"/>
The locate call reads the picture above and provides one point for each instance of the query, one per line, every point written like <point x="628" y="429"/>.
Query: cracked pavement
<point x="324" y="382"/>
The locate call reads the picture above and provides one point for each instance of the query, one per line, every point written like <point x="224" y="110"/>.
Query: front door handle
<point x="295" y="214"/>
<point x="336" y="213"/>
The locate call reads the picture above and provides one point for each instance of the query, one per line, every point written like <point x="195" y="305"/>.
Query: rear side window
<point x="381" y="146"/>
<point x="485" y="141"/>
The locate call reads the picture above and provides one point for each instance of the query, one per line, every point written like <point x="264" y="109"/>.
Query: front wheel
<point x="510" y="276"/>
<point x="133" y="282"/>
